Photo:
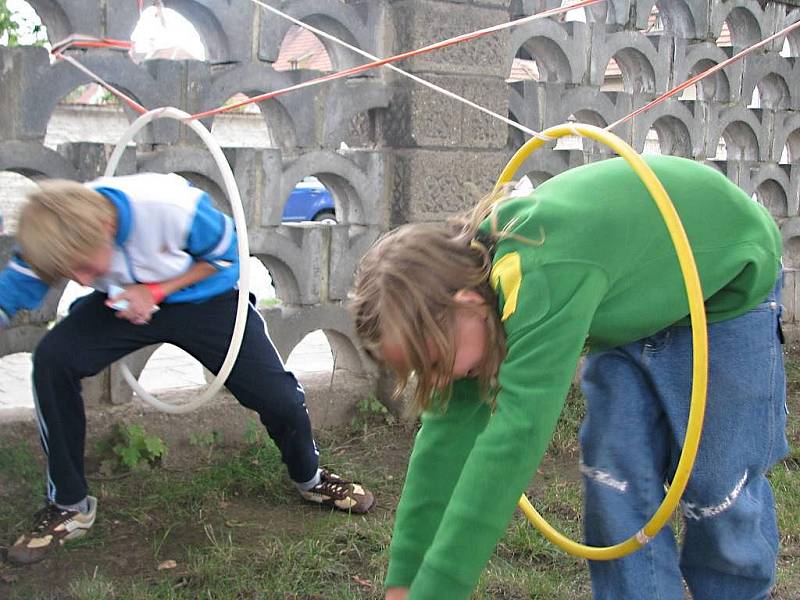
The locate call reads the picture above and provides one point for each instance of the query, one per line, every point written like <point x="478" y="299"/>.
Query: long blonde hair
<point x="404" y="289"/>
<point x="62" y="223"/>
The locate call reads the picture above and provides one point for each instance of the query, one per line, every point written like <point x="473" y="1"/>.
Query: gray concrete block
<point x="436" y="184"/>
<point x="418" y="23"/>
<point x="421" y="117"/>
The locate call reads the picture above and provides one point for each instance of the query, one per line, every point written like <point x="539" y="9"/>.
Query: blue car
<point x="309" y="201"/>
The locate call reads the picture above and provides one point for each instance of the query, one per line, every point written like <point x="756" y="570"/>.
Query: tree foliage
<point x="16" y="30"/>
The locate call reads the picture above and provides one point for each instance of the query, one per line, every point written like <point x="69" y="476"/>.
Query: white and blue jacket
<point x="164" y="225"/>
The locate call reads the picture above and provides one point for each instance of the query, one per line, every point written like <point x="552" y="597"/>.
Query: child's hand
<point x="135" y="303"/>
<point x="397" y="593"/>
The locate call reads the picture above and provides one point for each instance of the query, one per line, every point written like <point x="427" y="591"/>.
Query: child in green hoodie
<point x="490" y="314"/>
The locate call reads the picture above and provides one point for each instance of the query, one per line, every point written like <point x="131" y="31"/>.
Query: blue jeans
<point x="637" y="406"/>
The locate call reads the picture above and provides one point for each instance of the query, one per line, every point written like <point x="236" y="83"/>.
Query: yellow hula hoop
<point x="699" y="343"/>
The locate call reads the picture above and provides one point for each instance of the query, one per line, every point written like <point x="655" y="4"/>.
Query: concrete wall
<point x="412" y="154"/>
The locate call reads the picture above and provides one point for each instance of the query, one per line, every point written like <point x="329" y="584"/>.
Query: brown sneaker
<point x="335" y="492"/>
<point x="52" y="526"/>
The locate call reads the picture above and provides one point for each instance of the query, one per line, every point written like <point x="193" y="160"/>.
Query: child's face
<point x="470" y="342"/>
<point x="93" y="266"/>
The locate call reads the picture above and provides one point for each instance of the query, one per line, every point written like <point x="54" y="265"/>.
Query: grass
<point x="231" y="522"/>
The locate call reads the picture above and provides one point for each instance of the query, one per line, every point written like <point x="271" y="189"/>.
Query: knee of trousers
<point x="54" y="352"/>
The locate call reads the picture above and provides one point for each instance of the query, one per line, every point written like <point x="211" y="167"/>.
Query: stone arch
<point x="53" y="83"/>
<point x="787" y="135"/>
<point x="643" y="68"/>
<point x="745" y="20"/>
<point x="345" y="100"/>
<point x="34" y="161"/>
<point x="739" y="127"/>
<point x="599" y="109"/>
<point x="556" y="48"/>
<point x="771" y="184"/>
<point x="295" y="323"/>
<point x="290" y="118"/>
<point x="722" y="86"/>
<point x="771" y="74"/>
<point x="284" y="280"/>
<point x="675" y="125"/>
<point x="682" y="18"/>
<point x="348" y="183"/>
<point x="349" y="23"/>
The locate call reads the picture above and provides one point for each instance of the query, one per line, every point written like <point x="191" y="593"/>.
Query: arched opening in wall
<point x="16" y="389"/>
<point x="755" y="98"/>
<point x="165" y="33"/>
<point x="741" y="142"/>
<point x="724" y="40"/>
<point x="612" y="80"/>
<point x="242" y="127"/>
<point x="772" y="196"/>
<point x="791" y="149"/>
<point x="312" y="356"/>
<point x="631" y="73"/>
<point x="89" y="113"/>
<point x="570" y="142"/>
<point x="673" y="137"/>
<point x="301" y="49"/>
<point x="326" y="198"/>
<point x="541" y="59"/>
<point x="740" y="29"/>
<point x="261" y="285"/>
<point x="652" y="144"/>
<point x="655" y="22"/>
<point x="721" y="150"/>
<point x="310" y="201"/>
<point x="714" y="87"/>
<point x="24" y="26"/>
<point x="14" y="187"/>
<point x="523" y="69"/>
<point x="773" y="93"/>
<point x="592" y="148"/>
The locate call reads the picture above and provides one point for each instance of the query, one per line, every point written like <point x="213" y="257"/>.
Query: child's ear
<point x="467" y="296"/>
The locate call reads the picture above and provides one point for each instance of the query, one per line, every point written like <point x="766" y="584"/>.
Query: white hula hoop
<point x="232" y="192"/>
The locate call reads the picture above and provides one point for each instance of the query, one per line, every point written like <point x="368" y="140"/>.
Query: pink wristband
<point x="157" y="291"/>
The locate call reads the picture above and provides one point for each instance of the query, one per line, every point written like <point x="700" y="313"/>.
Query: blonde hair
<point x="62" y="223"/>
<point x="404" y="290"/>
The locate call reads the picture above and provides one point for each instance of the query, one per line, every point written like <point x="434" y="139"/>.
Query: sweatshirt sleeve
<point x="440" y="449"/>
<point x="212" y="236"/>
<point x="20" y="288"/>
<point x="548" y="317"/>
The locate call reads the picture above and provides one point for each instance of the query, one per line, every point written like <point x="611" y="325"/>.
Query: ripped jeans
<point x="637" y="406"/>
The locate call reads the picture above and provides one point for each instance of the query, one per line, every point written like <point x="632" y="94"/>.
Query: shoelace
<point x="45" y="515"/>
<point x="333" y="487"/>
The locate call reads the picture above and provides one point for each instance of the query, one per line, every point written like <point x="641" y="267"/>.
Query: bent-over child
<point x="175" y="257"/>
<point x="491" y="313"/>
